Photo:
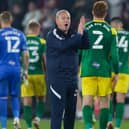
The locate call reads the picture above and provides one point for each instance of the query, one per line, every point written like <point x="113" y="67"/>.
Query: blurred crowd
<point x="44" y="11"/>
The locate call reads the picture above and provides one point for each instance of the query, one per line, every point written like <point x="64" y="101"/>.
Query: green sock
<point x="93" y="115"/>
<point x="40" y="109"/>
<point x="92" y="107"/>
<point x="110" y="111"/>
<point x="119" y="114"/>
<point x="103" y="120"/>
<point x="87" y="116"/>
<point x="28" y="116"/>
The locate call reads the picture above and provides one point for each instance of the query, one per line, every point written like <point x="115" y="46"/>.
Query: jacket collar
<point x="62" y="34"/>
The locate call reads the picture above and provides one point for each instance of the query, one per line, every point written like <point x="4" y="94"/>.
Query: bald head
<point x="63" y="20"/>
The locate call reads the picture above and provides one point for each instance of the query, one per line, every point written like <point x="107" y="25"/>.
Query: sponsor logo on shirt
<point x="96" y="65"/>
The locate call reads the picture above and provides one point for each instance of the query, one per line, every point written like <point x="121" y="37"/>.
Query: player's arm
<point x="44" y="62"/>
<point x="115" y="56"/>
<point x="128" y="48"/>
<point x="43" y="50"/>
<point x="25" y="55"/>
<point x="80" y="57"/>
<point x="25" y="60"/>
<point x="114" y="52"/>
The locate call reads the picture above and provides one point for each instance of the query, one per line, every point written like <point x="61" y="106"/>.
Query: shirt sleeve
<point x="23" y="43"/>
<point x="114" y="51"/>
<point x="80" y="56"/>
<point x="84" y="40"/>
<point x="128" y="44"/>
<point x="43" y="45"/>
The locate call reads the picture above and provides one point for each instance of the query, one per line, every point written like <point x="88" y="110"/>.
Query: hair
<point x="116" y="20"/>
<point x="100" y="9"/>
<point x="62" y="11"/>
<point x="6" y="17"/>
<point x="33" y="25"/>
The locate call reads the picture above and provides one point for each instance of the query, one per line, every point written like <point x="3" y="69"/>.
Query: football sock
<point x="110" y="111"/>
<point x="103" y="120"/>
<point x="92" y="109"/>
<point x="3" y="112"/>
<point x="40" y="109"/>
<point x="15" y="106"/>
<point x="119" y="114"/>
<point x="28" y="116"/>
<point x="87" y="116"/>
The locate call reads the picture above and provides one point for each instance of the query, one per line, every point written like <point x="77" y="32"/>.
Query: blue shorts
<point x="9" y="81"/>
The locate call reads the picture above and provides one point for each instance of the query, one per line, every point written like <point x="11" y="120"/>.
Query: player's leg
<point x="70" y="106"/>
<point x="15" y="102"/>
<point x="104" y="112"/>
<point x="89" y="89"/>
<point x="120" y="89"/>
<point x="110" y="117"/>
<point x="40" y="93"/>
<point x="79" y="107"/>
<point x="95" y="109"/>
<point x="3" y="103"/>
<point x="57" y="93"/>
<point x="120" y="98"/>
<point x="15" y="106"/>
<point x="79" y="100"/>
<point x="87" y="111"/>
<point x="110" y="96"/>
<point x="104" y="84"/>
<point x="27" y="101"/>
<point x="14" y="82"/>
<point x="27" y="93"/>
<point x="40" y="104"/>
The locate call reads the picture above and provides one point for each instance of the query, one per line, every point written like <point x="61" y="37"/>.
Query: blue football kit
<point x="12" y="42"/>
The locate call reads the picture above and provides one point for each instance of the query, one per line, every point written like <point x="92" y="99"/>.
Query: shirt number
<point x="97" y="44"/>
<point x="12" y="44"/>
<point x="123" y="43"/>
<point x="34" y="53"/>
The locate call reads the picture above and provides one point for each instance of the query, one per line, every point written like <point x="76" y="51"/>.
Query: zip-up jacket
<point x="62" y="55"/>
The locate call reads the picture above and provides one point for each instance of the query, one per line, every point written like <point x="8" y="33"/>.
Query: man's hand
<point x="25" y="74"/>
<point x="115" y="80"/>
<point x="81" y="25"/>
<point x="25" y="77"/>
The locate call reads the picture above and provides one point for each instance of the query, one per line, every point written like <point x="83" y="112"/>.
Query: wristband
<point x="25" y="72"/>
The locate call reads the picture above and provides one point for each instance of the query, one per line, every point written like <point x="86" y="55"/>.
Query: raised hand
<point x="83" y="20"/>
<point x="81" y="25"/>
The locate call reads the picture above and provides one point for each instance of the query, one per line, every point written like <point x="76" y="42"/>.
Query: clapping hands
<point x="81" y="25"/>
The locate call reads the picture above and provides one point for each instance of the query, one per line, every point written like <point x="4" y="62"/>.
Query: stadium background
<point x="44" y="11"/>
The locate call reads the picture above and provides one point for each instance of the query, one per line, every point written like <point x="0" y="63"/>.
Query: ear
<point x="92" y="13"/>
<point x="105" y="14"/>
<point x="11" y="20"/>
<point x="121" y="25"/>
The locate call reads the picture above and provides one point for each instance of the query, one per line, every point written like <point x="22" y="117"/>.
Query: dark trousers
<point x="63" y="104"/>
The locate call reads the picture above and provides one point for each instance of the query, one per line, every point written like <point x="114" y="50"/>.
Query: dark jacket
<point x="62" y="55"/>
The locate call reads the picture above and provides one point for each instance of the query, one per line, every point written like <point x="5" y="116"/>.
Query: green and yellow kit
<point x="96" y="61"/>
<point x="36" y="47"/>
